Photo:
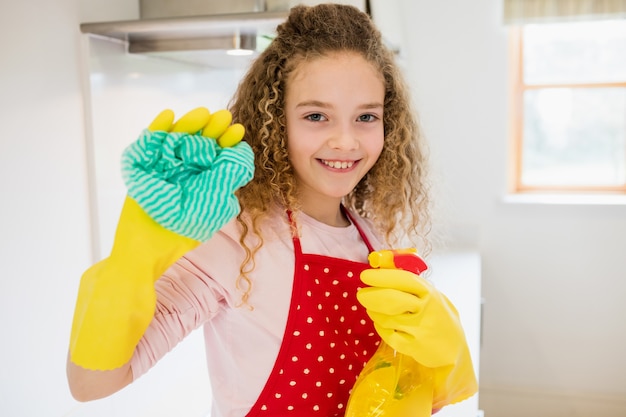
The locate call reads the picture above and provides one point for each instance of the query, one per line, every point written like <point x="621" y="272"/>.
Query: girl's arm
<point x="169" y="173"/>
<point x="87" y="385"/>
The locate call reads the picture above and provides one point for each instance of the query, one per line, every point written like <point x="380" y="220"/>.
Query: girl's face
<point x="334" y="111"/>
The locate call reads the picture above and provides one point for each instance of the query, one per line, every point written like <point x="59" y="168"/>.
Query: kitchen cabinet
<point x="458" y="275"/>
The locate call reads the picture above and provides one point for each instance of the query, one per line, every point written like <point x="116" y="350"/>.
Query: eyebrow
<point x="317" y="103"/>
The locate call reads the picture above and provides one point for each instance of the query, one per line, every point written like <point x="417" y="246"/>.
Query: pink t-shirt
<point x="242" y="343"/>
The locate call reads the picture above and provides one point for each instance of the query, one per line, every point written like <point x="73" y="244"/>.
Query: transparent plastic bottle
<point x="393" y="384"/>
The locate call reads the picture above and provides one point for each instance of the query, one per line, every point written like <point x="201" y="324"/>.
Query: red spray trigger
<point x="406" y="259"/>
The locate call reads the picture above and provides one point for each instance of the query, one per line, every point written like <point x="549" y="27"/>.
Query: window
<point x="568" y="92"/>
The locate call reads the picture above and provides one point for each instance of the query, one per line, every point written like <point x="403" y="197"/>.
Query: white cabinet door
<point x="458" y="276"/>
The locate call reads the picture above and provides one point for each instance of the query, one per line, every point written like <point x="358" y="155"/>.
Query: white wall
<point x="44" y="230"/>
<point x="552" y="275"/>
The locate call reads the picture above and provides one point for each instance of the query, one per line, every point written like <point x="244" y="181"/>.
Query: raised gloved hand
<point x="181" y="178"/>
<point x="412" y="316"/>
<point x="184" y="181"/>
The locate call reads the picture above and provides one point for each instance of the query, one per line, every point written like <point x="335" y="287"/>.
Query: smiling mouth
<point x="338" y="164"/>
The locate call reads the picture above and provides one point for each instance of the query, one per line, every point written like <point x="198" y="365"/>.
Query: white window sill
<point x="566" y="199"/>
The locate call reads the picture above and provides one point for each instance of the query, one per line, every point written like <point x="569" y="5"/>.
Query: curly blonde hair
<point x="394" y="193"/>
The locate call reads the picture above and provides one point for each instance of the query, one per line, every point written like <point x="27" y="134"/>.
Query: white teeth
<point x="338" y="164"/>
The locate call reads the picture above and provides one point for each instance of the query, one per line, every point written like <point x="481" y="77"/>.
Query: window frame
<point x="517" y="87"/>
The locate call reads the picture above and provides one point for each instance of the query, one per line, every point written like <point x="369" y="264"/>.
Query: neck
<point x="330" y="214"/>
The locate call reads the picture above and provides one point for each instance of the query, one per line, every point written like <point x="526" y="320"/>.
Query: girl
<point x="339" y="172"/>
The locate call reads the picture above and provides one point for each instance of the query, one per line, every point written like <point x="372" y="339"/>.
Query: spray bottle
<point x="393" y="384"/>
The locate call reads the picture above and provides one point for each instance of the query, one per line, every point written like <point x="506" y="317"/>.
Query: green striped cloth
<point x="186" y="182"/>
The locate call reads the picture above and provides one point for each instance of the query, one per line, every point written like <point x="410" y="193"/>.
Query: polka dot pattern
<point x="327" y="342"/>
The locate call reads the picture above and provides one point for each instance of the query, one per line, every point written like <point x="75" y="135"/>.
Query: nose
<point x="343" y="137"/>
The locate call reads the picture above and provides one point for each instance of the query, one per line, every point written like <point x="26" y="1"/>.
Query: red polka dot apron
<point x="328" y="339"/>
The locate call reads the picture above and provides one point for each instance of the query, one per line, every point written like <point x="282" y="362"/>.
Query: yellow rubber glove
<point x="416" y="319"/>
<point x="116" y="298"/>
<point x="412" y="316"/>
<point x="454" y="383"/>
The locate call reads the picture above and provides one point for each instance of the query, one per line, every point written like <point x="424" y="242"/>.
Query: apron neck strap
<point x="296" y="240"/>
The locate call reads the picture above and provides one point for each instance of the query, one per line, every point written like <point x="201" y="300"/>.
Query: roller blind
<point x="550" y="11"/>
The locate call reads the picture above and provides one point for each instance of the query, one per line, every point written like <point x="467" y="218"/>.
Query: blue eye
<point x="367" y="118"/>
<point x="315" y="117"/>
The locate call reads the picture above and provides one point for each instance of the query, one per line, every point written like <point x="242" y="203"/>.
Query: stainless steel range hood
<point x="201" y="31"/>
<point x="194" y="39"/>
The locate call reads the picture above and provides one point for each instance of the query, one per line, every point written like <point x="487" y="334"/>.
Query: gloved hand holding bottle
<point x="415" y="319"/>
<point x="181" y="178"/>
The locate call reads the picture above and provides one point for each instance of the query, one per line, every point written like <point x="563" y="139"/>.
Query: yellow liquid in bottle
<point x="391" y="385"/>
